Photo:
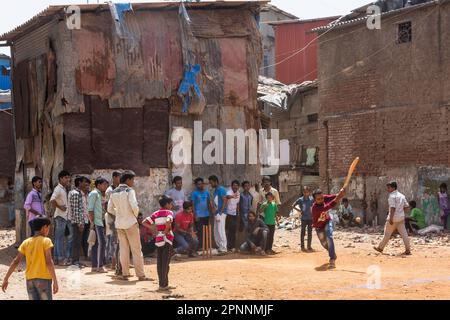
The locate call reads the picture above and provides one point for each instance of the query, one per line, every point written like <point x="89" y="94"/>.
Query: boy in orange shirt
<point x="40" y="270"/>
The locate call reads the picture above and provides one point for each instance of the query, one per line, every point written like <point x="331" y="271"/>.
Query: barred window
<point x="404" y="32"/>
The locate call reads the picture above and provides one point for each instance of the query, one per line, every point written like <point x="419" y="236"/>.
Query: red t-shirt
<point x="184" y="221"/>
<point x="320" y="212"/>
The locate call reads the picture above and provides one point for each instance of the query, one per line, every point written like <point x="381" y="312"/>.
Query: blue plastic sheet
<point x="189" y="82"/>
<point x="122" y="8"/>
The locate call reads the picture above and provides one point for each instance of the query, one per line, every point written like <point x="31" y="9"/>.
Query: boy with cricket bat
<point x="322" y="221"/>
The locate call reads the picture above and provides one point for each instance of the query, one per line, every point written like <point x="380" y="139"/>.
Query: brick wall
<point x="385" y="102"/>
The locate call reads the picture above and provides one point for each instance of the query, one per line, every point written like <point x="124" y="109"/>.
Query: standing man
<point x="245" y="204"/>
<point x="201" y="205"/>
<point x="34" y="204"/>
<point x="124" y="205"/>
<point x="59" y="200"/>
<point x="177" y="194"/>
<point x="77" y="217"/>
<point x="112" y="242"/>
<point x="396" y="218"/>
<point x="304" y="204"/>
<point x="220" y="201"/>
<point x="95" y="209"/>
<point x="267" y="188"/>
<point x="233" y="196"/>
<point x="323" y="223"/>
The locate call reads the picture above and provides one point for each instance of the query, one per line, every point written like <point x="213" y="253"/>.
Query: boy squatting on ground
<point x="40" y="270"/>
<point x="323" y="223"/>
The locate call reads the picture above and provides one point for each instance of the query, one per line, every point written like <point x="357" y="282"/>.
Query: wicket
<point x="207" y="240"/>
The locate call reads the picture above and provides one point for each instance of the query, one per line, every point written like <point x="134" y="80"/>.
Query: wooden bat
<point x="350" y="172"/>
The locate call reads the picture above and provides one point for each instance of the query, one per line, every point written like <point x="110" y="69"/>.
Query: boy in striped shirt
<point x="163" y="219"/>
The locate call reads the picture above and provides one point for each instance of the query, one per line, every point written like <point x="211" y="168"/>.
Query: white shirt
<point x="233" y="202"/>
<point x="123" y="204"/>
<point x="60" y="196"/>
<point x="398" y="201"/>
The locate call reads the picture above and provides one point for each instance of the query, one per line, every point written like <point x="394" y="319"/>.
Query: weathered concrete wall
<point x="148" y="188"/>
<point x="388" y="104"/>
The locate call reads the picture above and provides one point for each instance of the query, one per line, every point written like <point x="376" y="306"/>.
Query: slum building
<point x="293" y="110"/>
<point x="384" y="96"/>
<point x="102" y="87"/>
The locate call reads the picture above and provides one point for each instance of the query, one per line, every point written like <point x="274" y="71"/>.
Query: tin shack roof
<point x="355" y="17"/>
<point x="57" y="11"/>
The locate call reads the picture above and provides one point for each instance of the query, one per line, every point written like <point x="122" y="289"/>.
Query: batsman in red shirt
<point x="322" y="221"/>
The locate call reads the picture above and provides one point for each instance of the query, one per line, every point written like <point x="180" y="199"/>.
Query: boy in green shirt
<point x="416" y="220"/>
<point x="270" y="210"/>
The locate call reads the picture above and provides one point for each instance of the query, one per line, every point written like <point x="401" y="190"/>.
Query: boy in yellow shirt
<point x="40" y="270"/>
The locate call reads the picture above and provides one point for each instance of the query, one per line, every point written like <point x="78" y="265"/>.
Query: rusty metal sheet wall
<point x="221" y="23"/>
<point x="7" y="150"/>
<point x="95" y="70"/>
<point x="32" y="44"/>
<point x="105" y="138"/>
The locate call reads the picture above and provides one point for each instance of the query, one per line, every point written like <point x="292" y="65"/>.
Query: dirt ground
<point x="290" y="274"/>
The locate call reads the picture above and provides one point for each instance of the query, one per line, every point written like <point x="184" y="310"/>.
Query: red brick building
<point x="384" y="96"/>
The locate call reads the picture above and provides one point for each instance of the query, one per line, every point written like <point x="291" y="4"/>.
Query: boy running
<point x="323" y="223"/>
<point x="40" y="270"/>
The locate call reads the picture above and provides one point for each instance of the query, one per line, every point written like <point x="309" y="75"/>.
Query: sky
<point x="16" y="12"/>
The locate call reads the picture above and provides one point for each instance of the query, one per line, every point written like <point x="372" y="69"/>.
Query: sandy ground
<point x="288" y="275"/>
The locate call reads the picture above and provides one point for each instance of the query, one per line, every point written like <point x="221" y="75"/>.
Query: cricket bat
<point x="350" y="172"/>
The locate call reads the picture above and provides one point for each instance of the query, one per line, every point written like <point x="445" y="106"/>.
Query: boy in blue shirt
<point x="220" y="216"/>
<point x="303" y="205"/>
<point x="202" y="208"/>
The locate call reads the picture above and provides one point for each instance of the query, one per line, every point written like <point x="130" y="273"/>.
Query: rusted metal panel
<point x="7" y="151"/>
<point x="234" y="65"/>
<point x="96" y="70"/>
<point x="220" y="23"/>
<point x="211" y="80"/>
<point x="133" y="138"/>
<point x="156" y="133"/>
<point x="148" y="60"/>
<point x="32" y="44"/>
<point x="68" y="99"/>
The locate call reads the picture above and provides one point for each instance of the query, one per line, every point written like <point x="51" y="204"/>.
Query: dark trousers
<point x="163" y="265"/>
<point x="306" y="224"/>
<point x="230" y="229"/>
<point x="199" y="226"/>
<point x="85" y="236"/>
<point x="270" y="237"/>
<point x="98" y="250"/>
<point x="77" y="235"/>
<point x="118" y="265"/>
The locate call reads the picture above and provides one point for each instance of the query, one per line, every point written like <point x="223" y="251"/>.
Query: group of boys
<point x="177" y="219"/>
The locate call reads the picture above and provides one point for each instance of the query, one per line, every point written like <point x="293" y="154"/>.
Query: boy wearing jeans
<point x="40" y="271"/>
<point x="163" y="219"/>
<point x="270" y="209"/>
<point x="323" y="223"/>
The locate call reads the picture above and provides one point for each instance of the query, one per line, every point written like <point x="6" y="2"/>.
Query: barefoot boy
<point x="40" y="271"/>
<point x="322" y="221"/>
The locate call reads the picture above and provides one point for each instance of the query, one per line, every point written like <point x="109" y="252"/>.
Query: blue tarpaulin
<point x="189" y="81"/>
<point x="5" y="106"/>
<point x="121" y="8"/>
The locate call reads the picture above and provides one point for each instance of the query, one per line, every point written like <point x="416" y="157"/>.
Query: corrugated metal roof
<point x="300" y="21"/>
<point x="352" y="22"/>
<point x="278" y="10"/>
<point x="53" y="12"/>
